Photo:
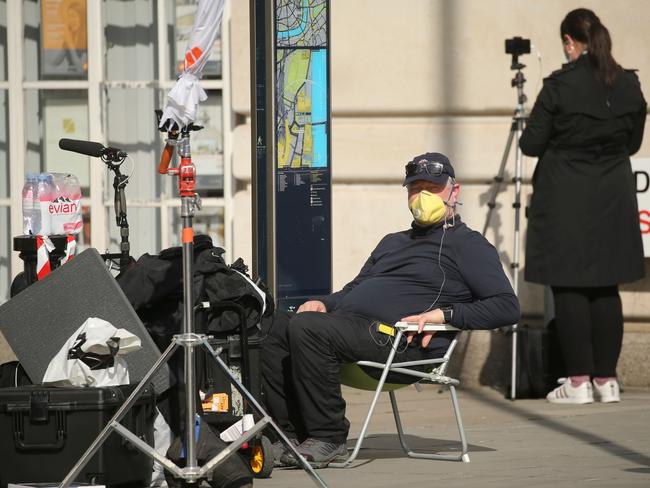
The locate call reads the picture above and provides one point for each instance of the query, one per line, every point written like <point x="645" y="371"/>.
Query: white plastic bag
<point x="92" y="356"/>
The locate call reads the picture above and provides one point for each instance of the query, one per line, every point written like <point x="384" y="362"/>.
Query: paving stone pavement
<point x="512" y="443"/>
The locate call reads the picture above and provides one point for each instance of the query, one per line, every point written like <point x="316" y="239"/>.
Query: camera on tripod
<point x="517" y="46"/>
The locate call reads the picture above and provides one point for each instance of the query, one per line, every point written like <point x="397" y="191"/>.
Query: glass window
<point x="208" y="220"/>
<point x="56" y="39"/>
<point x="3" y="40"/>
<point x="5" y="255"/>
<point x="183" y="23"/>
<point x="49" y="116"/>
<point x="144" y="230"/>
<point x="5" y="223"/>
<point x="130" y="37"/>
<point x="207" y="146"/>
<point x="131" y="126"/>
<point x="4" y="146"/>
<point x="83" y="238"/>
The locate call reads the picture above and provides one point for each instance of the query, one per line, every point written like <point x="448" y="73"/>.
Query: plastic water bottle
<point x="66" y="209"/>
<point x="42" y="202"/>
<point x="29" y="188"/>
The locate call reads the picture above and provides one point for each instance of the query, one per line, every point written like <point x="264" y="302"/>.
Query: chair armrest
<point x="413" y="327"/>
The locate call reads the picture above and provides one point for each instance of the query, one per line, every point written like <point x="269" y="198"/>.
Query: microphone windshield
<point x="89" y="148"/>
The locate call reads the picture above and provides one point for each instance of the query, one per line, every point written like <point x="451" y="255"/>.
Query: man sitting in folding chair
<point x="438" y="271"/>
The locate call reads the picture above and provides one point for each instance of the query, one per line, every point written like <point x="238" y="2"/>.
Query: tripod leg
<point x="498" y="179"/>
<point x="103" y="435"/>
<point x="517" y="244"/>
<point x="146" y="448"/>
<point x="252" y="401"/>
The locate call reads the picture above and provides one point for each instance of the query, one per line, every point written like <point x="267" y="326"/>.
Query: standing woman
<point x="583" y="224"/>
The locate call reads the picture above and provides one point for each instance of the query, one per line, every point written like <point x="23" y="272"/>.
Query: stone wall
<point x="425" y="75"/>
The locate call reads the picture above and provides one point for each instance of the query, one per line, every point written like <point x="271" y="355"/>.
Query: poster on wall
<point x="64" y="39"/>
<point x="303" y="240"/>
<point x="641" y="169"/>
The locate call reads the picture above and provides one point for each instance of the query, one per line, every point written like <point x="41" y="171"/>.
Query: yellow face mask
<point x="428" y="208"/>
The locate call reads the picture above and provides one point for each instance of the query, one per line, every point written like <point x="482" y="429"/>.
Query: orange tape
<point x="188" y="235"/>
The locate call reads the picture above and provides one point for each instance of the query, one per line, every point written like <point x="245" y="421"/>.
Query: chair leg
<point x="398" y="423"/>
<point x="375" y="398"/>
<point x="463" y="456"/>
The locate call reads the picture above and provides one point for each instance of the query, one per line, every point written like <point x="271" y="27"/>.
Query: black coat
<point x="583" y="222"/>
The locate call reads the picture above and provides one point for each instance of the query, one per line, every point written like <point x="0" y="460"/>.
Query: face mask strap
<point x="451" y="191"/>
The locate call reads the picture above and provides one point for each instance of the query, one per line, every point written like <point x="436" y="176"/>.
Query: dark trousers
<point x="300" y="368"/>
<point x="590" y="328"/>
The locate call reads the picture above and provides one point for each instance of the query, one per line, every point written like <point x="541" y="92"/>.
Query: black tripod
<point x="516" y="129"/>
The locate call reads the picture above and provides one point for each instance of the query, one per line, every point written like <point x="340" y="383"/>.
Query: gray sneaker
<point x="280" y="451"/>
<point x="319" y="453"/>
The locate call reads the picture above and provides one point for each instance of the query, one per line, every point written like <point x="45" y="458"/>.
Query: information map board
<point x="303" y="256"/>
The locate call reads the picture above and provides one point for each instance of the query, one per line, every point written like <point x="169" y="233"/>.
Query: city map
<point x="301" y="76"/>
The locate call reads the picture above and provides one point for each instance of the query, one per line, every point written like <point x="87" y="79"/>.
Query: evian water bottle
<point x="42" y="202"/>
<point x="65" y="209"/>
<point x="28" y="204"/>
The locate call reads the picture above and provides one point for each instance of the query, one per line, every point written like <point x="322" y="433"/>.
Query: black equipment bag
<point x="45" y="430"/>
<point x="233" y="472"/>
<point x="154" y="286"/>
<point x="539" y="361"/>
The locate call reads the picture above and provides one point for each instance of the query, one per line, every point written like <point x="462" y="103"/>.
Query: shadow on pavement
<point x="595" y="440"/>
<point x="387" y="446"/>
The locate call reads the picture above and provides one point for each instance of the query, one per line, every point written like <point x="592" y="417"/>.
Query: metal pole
<point x="187" y="238"/>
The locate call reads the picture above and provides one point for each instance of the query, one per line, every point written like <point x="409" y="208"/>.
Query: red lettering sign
<point x="644" y="220"/>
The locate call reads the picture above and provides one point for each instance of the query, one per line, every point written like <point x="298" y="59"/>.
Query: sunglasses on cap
<point x="432" y="168"/>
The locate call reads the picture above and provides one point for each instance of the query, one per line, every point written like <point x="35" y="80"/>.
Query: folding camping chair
<point x="352" y="375"/>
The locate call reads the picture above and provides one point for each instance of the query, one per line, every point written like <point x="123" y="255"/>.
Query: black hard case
<point x="44" y="431"/>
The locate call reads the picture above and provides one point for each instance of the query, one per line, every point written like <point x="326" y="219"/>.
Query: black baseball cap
<point x="434" y="167"/>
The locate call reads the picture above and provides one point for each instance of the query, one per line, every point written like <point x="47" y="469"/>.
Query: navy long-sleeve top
<point x="408" y="270"/>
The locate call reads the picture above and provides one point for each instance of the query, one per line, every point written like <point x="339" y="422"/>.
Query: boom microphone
<point x="89" y="148"/>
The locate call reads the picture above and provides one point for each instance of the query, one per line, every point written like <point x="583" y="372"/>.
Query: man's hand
<point x="432" y="317"/>
<point x="312" y="306"/>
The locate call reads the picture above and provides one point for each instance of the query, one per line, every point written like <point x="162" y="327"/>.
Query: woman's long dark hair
<point x="584" y="26"/>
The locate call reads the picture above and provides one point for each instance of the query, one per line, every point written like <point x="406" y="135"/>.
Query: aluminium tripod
<point x="191" y="473"/>
<point x="516" y="129"/>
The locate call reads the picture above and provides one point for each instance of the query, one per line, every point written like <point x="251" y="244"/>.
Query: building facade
<point x="407" y="77"/>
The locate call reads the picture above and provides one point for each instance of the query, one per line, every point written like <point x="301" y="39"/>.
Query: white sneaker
<point x="565" y="393"/>
<point x="608" y="392"/>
